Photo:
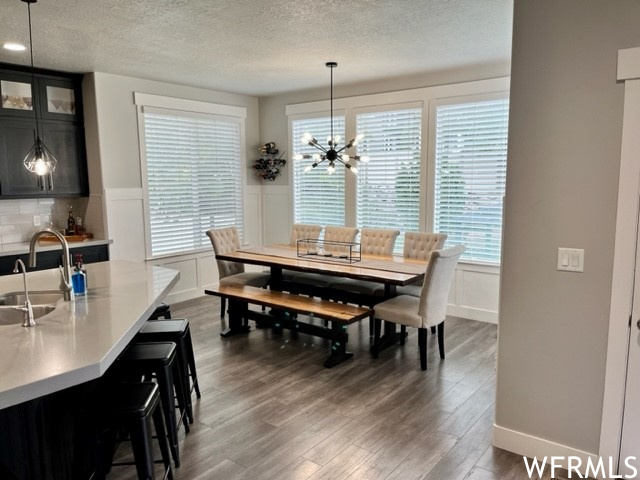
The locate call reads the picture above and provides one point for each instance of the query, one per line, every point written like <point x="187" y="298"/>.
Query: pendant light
<point x="334" y="153"/>
<point x="39" y="159"/>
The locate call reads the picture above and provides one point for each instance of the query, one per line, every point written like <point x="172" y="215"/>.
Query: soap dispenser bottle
<point x="79" y="281"/>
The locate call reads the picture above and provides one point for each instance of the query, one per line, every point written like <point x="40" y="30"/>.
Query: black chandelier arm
<point x="318" y="146"/>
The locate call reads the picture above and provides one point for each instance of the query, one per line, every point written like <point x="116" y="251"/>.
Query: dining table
<point x="390" y="271"/>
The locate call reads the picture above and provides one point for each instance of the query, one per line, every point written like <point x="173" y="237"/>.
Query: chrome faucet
<point x="27" y="309"/>
<point x="65" y="269"/>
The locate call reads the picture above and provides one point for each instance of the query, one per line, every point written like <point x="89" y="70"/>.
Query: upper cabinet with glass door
<point x="16" y="94"/>
<point x="54" y="98"/>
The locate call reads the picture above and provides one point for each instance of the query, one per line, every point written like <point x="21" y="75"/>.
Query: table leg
<point x="237" y="319"/>
<point x="338" y="346"/>
<point x="389" y="337"/>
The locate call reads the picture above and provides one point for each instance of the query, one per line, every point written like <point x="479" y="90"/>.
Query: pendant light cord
<point x="332" y="142"/>
<point x="33" y="77"/>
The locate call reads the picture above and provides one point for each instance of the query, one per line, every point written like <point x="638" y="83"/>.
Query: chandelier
<point x="334" y="153"/>
<point x="39" y="159"/>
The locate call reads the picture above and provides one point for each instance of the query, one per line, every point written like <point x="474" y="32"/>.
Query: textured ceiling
<point x="259" y="47"/>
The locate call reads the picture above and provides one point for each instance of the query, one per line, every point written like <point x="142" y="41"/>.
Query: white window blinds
<point x="388" y="186"/>
<point x="471" y="164"/>
<point x="194" y="178"/>
<point x="318" y="197"/>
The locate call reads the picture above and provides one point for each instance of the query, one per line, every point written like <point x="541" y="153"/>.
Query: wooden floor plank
<point x="270" y="410"/>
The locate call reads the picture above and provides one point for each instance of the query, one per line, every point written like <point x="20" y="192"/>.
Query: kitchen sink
<point x="37" y="298"/>
<point x="9" y="314"/>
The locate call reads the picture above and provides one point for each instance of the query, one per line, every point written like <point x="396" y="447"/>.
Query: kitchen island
<point x="47" y="371"/>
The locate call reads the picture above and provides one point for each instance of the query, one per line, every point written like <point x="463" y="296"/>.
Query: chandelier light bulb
<point x="306" y="139"/>
<point x="345" y="158"/>
<point x="298" y="156"/>
<point x="40" y="167"/>
<point x="316" y="157"/>
<point x="307" y="168"/>
<point x="364" y="159"/>
<point x="354" y="169"/>
<point x="331" y="169"/>
<point x="358" y="138"/>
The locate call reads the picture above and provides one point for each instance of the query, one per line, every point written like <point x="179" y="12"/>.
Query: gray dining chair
<point x="428" y="310"/>
<point x="225" y="240"/>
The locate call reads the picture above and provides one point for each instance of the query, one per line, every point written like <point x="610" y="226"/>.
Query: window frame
<point x="195" y="109"/>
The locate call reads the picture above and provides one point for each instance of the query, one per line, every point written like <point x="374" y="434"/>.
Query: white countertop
<point x="23" y="247"/>
<point x="80" y="339"/>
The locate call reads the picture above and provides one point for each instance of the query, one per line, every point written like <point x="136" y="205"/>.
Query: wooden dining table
<point x="390" y="271"/>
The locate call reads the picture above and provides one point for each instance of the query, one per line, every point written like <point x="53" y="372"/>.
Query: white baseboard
<point x="530" y="446"/>
<point x="473" y="313"/>
<point x="184" y="295"/>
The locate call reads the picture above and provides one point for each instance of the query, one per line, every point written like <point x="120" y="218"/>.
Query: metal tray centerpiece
<point x="347" y="252"/>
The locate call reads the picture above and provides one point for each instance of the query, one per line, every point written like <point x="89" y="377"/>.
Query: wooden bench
<point x="286" y="304"/>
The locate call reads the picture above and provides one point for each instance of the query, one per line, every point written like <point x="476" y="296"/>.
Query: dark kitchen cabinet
<point x="46" y="259"/>
<point x="58" y="102"/>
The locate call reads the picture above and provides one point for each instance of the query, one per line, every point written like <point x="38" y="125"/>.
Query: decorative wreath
<point x="269" y="165"/>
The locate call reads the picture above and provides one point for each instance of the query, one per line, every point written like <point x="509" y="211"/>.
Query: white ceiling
<point x="259" y="47"/>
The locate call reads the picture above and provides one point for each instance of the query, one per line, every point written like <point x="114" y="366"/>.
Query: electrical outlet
<point x="36" y="220"/>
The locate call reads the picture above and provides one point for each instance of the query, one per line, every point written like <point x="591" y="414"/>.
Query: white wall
<point x="115" y="168"/>
<point x="562" y="182"/>
<point x="474" y="293"/>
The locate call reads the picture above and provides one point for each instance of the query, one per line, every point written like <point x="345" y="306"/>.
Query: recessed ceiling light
<point x="16" y="47"/>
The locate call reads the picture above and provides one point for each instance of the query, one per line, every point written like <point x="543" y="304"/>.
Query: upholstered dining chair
<point x="373" y="241"/>
<point x="225" y="240"/>
<point x="331" y="234"/>
<point x="301" y="231"/>
<point x="418" y="246"/>
<point x="428" y="310"/>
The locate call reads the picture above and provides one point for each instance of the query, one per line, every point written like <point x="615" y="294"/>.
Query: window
<point x="193" y="177"/>
<point x="388" y="187"/>
<point x="470" y="172"/>
<point x="318" y="196"/>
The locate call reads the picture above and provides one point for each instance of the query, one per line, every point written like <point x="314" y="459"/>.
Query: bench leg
<point x="338" y="345"/>
<point x="237" y="323"/>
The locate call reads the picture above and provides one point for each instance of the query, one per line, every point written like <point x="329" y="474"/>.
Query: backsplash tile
<point x="17" y="216"/>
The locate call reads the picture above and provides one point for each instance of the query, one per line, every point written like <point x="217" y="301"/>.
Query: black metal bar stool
<point x="163" y="310"/>
<point x="159" y="359"/>
<point x="177" y="331"/>
<point x="134" y="405"/>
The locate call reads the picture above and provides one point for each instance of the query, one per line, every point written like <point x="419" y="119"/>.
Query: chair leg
<point x="377" y="326"/>
<point x="372" y="324"/>
<point x="441" y="339"/>
<point x="161" y="435"/>
<point x="433" y="329"/>
<point x="223" y="306"/>
<point x="142" y="448"/>
<point x="422" y="342"/>
<point x="403" y="334"/>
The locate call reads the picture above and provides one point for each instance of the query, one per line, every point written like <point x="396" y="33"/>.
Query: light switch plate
<point x="571" y="259"/>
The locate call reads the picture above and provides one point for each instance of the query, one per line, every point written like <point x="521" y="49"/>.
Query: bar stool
<point x="134" y="405"/>
<point x="163" y="310"/>
<point x="177" y="331"/>
<point x="159" y="359"/>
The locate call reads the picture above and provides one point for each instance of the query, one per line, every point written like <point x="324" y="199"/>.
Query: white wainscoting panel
<point x="475" y="292"/>
<point x="277" y="214"/>
<point x="252" y="215"/>
<point x="125" y="223"/>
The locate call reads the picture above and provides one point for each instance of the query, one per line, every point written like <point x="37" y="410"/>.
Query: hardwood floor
<point x="269" y="410"/>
